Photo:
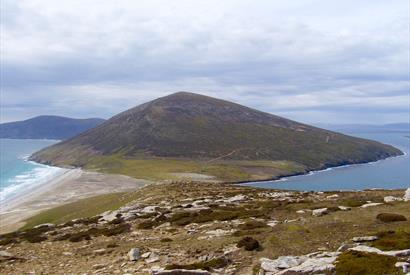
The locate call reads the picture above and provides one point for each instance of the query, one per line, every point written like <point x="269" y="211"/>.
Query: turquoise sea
<point x="17" y="174"/>
<point x="392" y="173"/>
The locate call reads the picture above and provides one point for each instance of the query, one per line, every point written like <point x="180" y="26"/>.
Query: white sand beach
<point x="70" y="186"/>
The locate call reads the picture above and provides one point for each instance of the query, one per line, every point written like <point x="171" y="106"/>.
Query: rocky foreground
<point x="211" y="228"/>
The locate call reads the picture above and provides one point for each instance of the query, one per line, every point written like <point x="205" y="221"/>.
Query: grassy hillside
<point x="183" y="130"/>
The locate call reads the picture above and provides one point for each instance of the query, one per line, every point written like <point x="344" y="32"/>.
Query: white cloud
<point x="278" y="56"/>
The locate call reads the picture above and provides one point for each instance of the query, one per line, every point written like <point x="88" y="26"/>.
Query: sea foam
<point x="28" y="180"/>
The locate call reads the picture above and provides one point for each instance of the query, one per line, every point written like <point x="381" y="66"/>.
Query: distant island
<point x="189" y="135"/>
<point x="47" y="127"/>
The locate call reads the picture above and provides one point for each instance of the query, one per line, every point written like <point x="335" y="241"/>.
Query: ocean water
<point x="17" y="174"/>
<point x="392" y="173"/>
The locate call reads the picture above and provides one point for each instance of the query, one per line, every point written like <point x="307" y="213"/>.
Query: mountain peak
<point x="197" y="127"/>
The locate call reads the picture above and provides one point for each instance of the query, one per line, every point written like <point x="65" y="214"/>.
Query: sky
<point x="338" y="61"/>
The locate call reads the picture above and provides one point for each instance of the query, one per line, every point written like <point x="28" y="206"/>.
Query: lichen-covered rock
<point x="391" y="199"/>
<point x="320" y="212"/>
<point x="371" y="204"/>
<point x="365" y="239"/>
<point x="134" y="254"/>
<point x="281" y="263"/>
<point x="313" y="265"/>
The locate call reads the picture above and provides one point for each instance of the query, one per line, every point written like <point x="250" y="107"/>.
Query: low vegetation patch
<point x="205" y="265"/>
<point x="249" y="225"/>
<point x="32" y="235"/>
<point x="94" y="232"/>
<point x="390" y="217"/>
<point x="393" y="240"/>
<point x="360" y="263"/>
<point x="184" y="217"/>
<point x="249" y="244"/>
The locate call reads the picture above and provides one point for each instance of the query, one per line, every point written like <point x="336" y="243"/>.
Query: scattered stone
<point x="49" y="225"/>
<point x="300" y="212"/>
<point x="314" y="265"/>
<point x="307" y="264"/>
<point x="335" y="196"/>
<point x="370" y="204"/>
<point x="66" y="253"/>
<point x="344" y="208"/>
<point x="152" y="258"/>
<point x="407" y="195"/>
<point x="272" y="223"/>
<point x="283" y="262"/>
<point x="403" y="265"/>
<point x="5" y="254"/>
<point x="320" y="212"/>
<point x="149" y="209"/>
<point x="109" y="216"/>
<point x="100" y="251"/>
<point x="236" y="198"/>
<point x="391" y="199"/>
<point x="365" y="239"/>
<point x="98" y="266"/>
<point x="146" y="255"/>
<point x="134" y="254"/>
<point x="219" y="232"/>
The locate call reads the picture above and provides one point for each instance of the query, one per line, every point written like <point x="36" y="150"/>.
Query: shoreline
<point x="72" y="185"/>
<point x="312" y="172"/>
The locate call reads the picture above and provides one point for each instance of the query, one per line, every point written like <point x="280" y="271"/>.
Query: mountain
<point x="47" y="127"/>
<point x="189" y="126"/>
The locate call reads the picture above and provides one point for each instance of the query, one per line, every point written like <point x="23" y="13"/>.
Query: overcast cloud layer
<point x="313" y="61"/>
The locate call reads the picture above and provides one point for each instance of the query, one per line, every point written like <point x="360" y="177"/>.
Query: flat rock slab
<point x="365" y="239"/>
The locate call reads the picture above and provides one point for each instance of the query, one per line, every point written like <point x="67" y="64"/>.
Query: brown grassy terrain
<point x="200" y="225"/>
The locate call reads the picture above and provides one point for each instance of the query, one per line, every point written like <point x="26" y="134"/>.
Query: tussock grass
<point x="390" y="217"/>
